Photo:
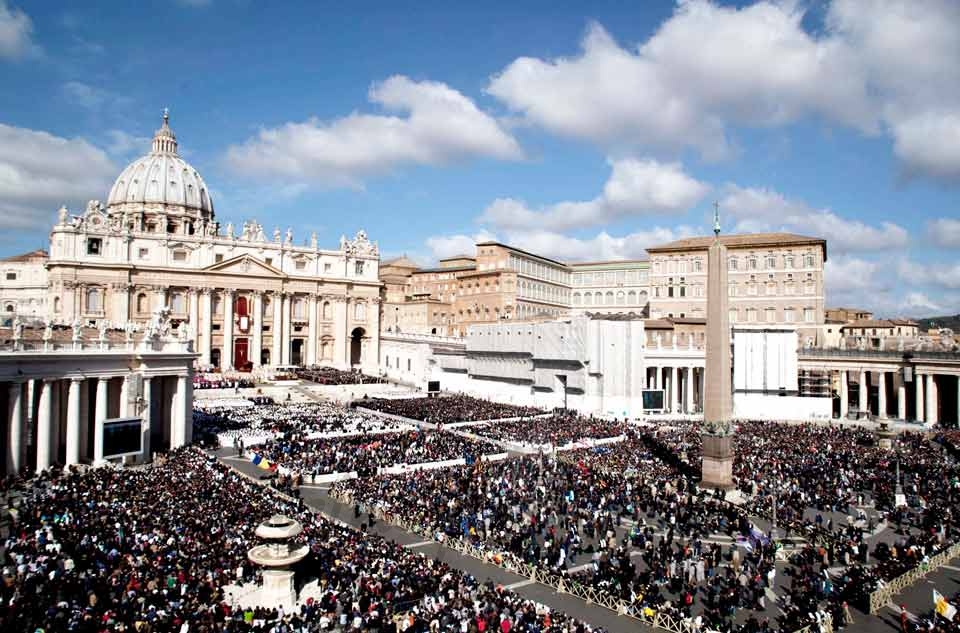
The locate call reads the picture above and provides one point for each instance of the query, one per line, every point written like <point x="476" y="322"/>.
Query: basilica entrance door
<point x="240" y="349"/>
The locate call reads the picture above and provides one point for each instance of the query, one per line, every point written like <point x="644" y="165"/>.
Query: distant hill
<point x="952" y="322"/>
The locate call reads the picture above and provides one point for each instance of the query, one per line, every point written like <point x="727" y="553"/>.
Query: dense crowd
<point x="367" y="453"/>
<point x="332" y="376"/>
<point x="155" y="549"/>
<point x="230" y="421"/>
<point x="557" y="429"/>
<point x="447" y="409"/>
<point x="222" y="381"/>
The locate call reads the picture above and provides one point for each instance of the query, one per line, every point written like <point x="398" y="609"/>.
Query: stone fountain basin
<point x="269" y="556"/>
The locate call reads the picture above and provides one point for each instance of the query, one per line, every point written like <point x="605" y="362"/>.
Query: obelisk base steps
<point x="717" y="462"/>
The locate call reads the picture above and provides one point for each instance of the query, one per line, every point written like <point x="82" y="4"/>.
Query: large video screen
<point x="653" y="399"/>
<point x="433" y="386"/>
<point x="121" y="436"/>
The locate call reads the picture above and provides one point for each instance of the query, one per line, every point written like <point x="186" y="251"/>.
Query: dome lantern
<point x="164" y="140"/>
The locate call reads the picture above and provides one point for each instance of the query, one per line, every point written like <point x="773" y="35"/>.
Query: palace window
<point x="771" y="261"/>
<point x="788" y="315"/>
<point x="733" y="315"/>
<point x="178" y="304"/>
<point x="788" y="261"/>
<point x="327" y="267"/>
<point x="360" y="311"/>
<point x="11" y="276"/>
<point x="301" y="264"/>
<point x="94" y="246"/>
<point x="808" y="260"/>
<point x="752" y="263"/>
<point x="179" y="256"/>
<point x="358" y="267"/>
<point x="94" y="300"/>
<point x="299" y="308"/>
<point x="143" y="305"/>
<point x="732" y="263"/>
<point x="751" y="315"/>
<point x="809" y="315"/>
<point x="771" y="315"/>
<point x="218" y="258"/>
<point x="143" y="253"/>
<point x="697" y="266"/>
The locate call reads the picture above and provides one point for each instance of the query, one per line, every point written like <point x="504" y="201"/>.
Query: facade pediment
<point x="245" y="265"/>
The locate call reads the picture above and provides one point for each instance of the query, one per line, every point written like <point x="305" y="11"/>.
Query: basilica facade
<point x="244" y="295"/>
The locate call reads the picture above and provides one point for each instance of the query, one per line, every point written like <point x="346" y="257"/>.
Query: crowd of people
<point x="557" y="429"/>
<point x="367" y="453"/>
<point x="323" y="375"/>
<point x="447" y="409"/>
<point x="155" y="549"/>
<point x="222" y="381"/>
<point x="227" y="420"/>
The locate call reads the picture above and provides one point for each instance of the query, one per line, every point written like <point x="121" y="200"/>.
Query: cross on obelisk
<point x="716" y="435"/>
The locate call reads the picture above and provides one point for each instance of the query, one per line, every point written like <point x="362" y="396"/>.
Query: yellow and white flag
<point x="943" y="607"/>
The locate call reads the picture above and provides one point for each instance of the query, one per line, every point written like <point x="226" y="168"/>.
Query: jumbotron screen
<point x="121" y="436"/>
<point x="653" y="399"/>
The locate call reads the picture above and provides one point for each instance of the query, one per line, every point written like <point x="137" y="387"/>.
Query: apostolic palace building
<point x="246" y="297"/>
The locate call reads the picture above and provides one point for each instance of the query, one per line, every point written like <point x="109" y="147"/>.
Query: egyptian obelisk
<point x="717" y="438"/>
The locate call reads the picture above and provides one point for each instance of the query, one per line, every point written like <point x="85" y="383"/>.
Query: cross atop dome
<point x="164" y="140"/>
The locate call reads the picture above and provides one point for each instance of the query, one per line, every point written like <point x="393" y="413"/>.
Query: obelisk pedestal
<point x="717" y="438"/>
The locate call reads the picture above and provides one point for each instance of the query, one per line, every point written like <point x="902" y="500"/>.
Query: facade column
<point x="15" y="436"/>
<point x="882" y="394"/>
<point x="100" y="414"/>
<point x="864" y="404"/>
<point x="844" y="395"/>
<point x="902" y="399"/>
<point x="146" y="422"/>
<point x="206" y="307"/>
<point x="287" y="326"/>
<point x="123" y="305"/>
<point x="277" y="329"/>
<point x="44" y="425"/>
<point x="674" y="389"/>
<point x="688" y="390"/>
<point x="341" y="347"/>
<point x="703" y="389"/>
<point x="73" y="421"/>
<point x="84" y="420"/>
<point x="188" y="408"/>
<point x="226" y="355"/>
<point x="919" y="398"/>
<point x="932" y="408"/>
<point x="257" y="327"/>
<point x="194" y="298"/>
<point x="373" y="335"/>
<point x="174" y="412"/>
<point x="311" y="351"/>
<point x="658" y="378"/>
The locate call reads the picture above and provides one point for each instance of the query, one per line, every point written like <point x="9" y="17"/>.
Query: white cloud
<point x="882" y="66"/>
<point x="846" y="274"/>
<point x="122" y="144"/>
<point x="920" y="303"/>
<point x="944" y="232"/>
<point x="635" y="187"/>
<point x="561" y="247"/>
<point x="941" y="275"/>
<point x="441" y="126"/>
<point x="40" y="171"/>
<point x="91" y="97"/>
<point x="16" y="30"/>
<point x="758" y="209"/>
<point x="442" y="246"/>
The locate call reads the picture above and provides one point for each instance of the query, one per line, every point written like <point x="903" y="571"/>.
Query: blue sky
<point x="579" y="130"/>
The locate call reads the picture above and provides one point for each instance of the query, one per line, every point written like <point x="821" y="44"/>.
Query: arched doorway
<point x="215" y="357"/>
<point x="265" y="356"/>
<point x="356" y="345"/>
<point x="296" y="352"/>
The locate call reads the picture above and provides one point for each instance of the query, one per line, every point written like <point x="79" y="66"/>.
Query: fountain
<point x="277" y="556"/>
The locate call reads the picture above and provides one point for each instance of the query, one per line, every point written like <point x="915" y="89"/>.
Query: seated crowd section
<point x="323" y="375"/>
<point x="625" y="519"/>
<point x="447" y="409"/>
<point x="154" y="549"/>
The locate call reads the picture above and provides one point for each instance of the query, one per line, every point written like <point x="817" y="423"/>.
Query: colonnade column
<point x="44" y="426"/>
<point x="207" y="309"/>
<point x="226" y="355"/>
<point x="287" y="326"/>
<point x="145" y="427"/>
<point x="257" y="327"/>
<point x="688" y="389"/>
<point x="674" y="389"/>
<point x="844" y="395"/>
<point x="175" y="412"/>
<point x="312" y="330"/>
<point x="932" y="413"/>
<point x="373" y="334"/>
<point x="15" y="436"/>
<point x="918" y="381"/>
<point x="341" y="347"/>
<point x="277" y="328"/>
<point x="902" y="399"/>
<point x="882" y="394"/>
<point x="100" y="415"/>
<point x="124" y="396"/>
<point x="864" y="405"/>
<point x="73" y="421"/>
<point x="658" y="377"/>
<point x="181" y="404"/>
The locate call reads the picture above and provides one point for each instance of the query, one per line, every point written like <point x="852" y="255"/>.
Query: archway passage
<point x="356" y="345"/>
<point x="241" y="354"/>
<point x="215" y="357"/>
<point x="296" y="351"/>
<point x="265" y="356"/>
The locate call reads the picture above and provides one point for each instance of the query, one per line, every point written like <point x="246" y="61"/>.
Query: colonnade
<point x="682" y="384"/>
<point x="894" y="399"/>
<point x="60" y="419"/>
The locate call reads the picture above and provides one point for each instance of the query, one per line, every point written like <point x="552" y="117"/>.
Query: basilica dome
<point x="162" y="178"/>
